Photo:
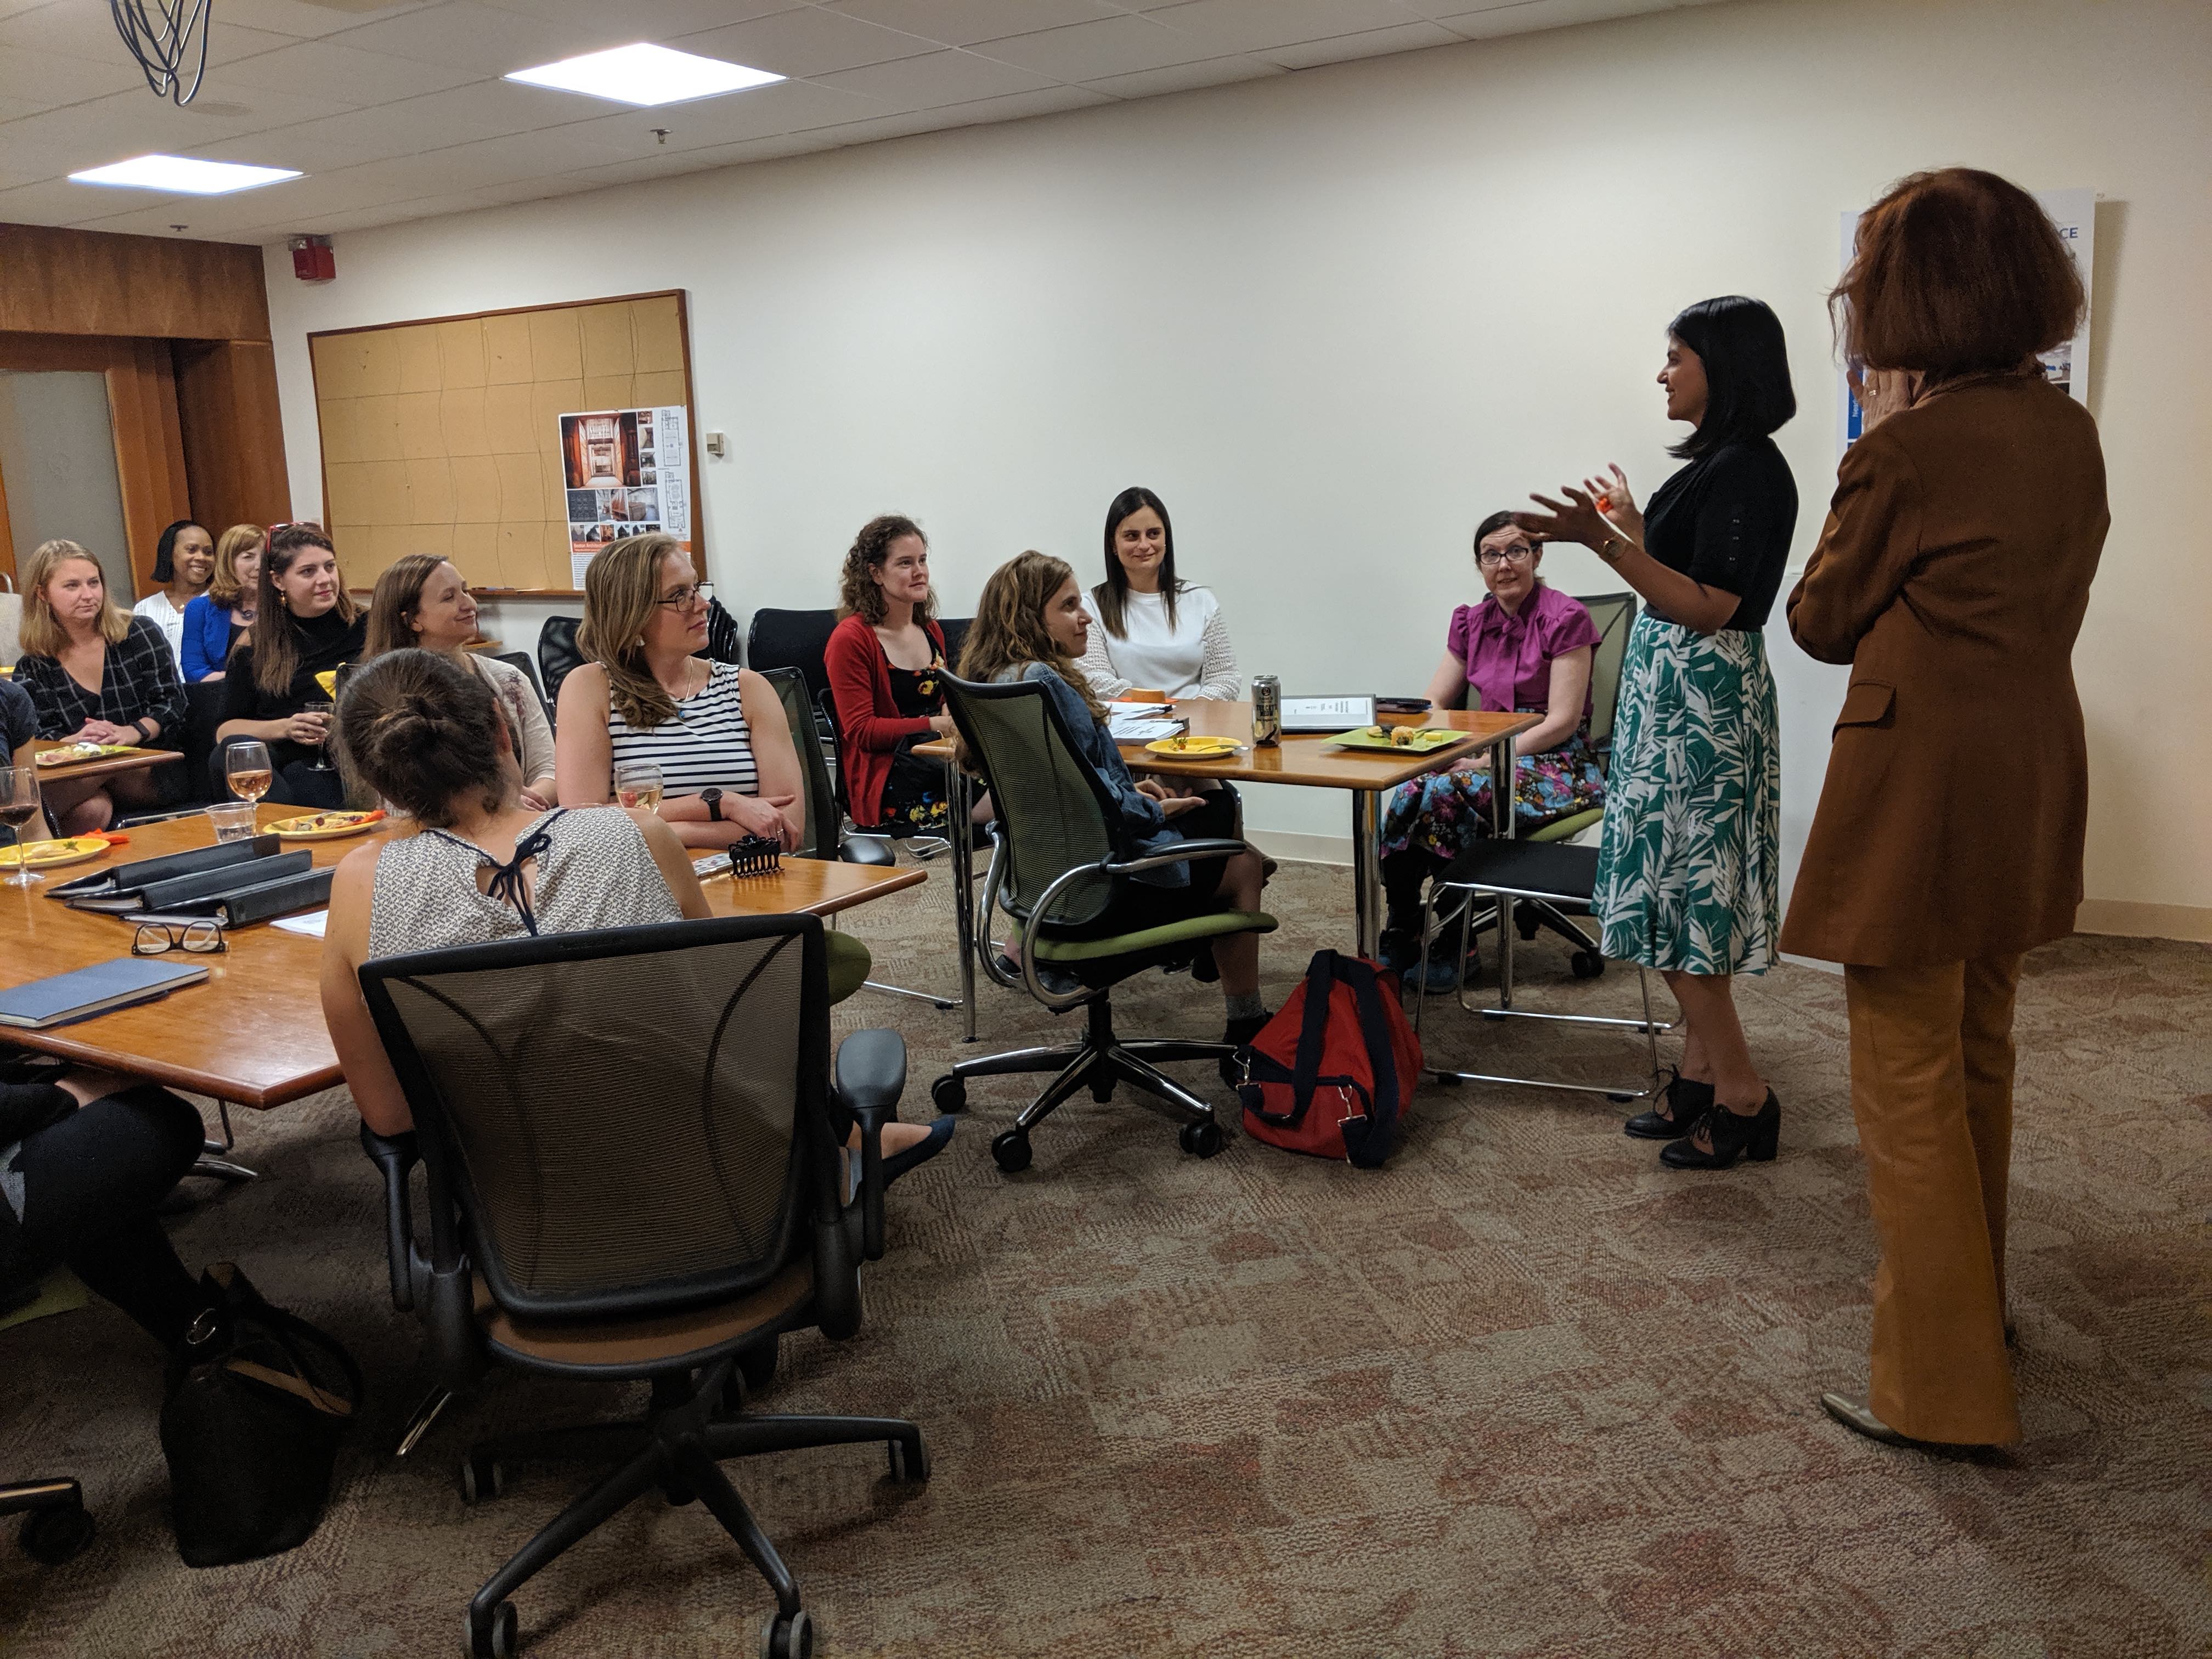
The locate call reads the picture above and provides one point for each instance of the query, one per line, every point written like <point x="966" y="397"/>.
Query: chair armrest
<point x="1188" y="849"/>
<point x="867" y="849"/>
<point x="870" y="1076"/>
<point x="396" y="1155"/>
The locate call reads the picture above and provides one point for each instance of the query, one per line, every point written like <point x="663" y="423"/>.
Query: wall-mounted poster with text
<point x="627" y="472"/>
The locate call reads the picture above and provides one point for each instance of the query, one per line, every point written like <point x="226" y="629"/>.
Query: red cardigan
<point x="868" y="719"/>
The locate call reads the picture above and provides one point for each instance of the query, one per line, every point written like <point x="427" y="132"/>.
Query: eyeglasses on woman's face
<point x="1491" y="558"/>
<point x="682" y="598"/>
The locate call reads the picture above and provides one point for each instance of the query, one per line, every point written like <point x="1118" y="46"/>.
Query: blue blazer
<point x="207" y="638"/>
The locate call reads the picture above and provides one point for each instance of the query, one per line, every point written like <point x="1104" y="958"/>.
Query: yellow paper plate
<point x="74" y="754"/>
<point x="1399" y="739"/>
<point x="53" y="855"/>
<point x="323" y="826"/>
<point x="328" y="679"/>
<point x="1193" y="747"/>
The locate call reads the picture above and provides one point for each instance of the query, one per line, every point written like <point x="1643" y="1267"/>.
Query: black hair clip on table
<point x="756" y="856"/>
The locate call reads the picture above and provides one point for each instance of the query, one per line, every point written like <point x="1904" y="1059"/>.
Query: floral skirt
<point x="1447" y="812"/>
<point x="1689" y="872"/>
<point x="913" y="802"/>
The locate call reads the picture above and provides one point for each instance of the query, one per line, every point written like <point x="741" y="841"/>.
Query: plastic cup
<point x="233" y="820"/>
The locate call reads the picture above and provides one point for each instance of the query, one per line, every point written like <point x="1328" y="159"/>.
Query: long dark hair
<point x="1746" y="363"/>
<point x="393" y="607"/>
<point x="423" y="732"/>
<point x="276" y="636"/>
<point x="165" y="550"/>
<point x="1110" y="594"/>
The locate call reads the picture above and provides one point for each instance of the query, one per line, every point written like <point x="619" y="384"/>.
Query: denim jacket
<point x="1148" y="830"/>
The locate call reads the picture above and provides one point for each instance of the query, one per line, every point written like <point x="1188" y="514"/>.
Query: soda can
<point x="1267" y="711"/>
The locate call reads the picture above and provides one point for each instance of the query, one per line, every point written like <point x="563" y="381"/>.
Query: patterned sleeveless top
<point x="593" y="870"/>
<point x="706" y="745"/>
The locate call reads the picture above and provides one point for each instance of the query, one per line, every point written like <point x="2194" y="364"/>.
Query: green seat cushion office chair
<point x="1060" y="871"/>
<point x="633" y="1141"/>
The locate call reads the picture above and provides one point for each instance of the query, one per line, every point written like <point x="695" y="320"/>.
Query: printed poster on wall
<point x="628" y="472"/>
<point x="2067" y="367"/>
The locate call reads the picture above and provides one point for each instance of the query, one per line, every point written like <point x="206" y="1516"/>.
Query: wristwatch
<point x="713" y="799"/>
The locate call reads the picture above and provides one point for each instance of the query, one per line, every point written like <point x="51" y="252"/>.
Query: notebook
<point x="95" y="990"/>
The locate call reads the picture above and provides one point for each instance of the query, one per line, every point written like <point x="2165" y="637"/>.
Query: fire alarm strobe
<point x="312" y="261"/>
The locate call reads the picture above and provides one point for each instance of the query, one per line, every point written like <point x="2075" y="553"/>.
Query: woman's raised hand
<point x="1575" y="519"/>
<point x="1617" y="501"/>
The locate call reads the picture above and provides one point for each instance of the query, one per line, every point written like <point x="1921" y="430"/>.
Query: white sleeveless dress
<point x="593" y="870"/>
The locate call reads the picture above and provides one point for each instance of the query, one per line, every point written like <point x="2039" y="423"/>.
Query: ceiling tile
<point x="1089" y="51"/>
<point x="1185" y="77"/>
<point x="808" y="41"/>
<point x="656" y="19"/>
<point x="1526" y="16"/>
<point x="1256" y="25"/>
<point x="348" y="76"/>
<point x="1369" y="43"/>
<point x="938" y="79"/>
<point x="501" y="160"/>
<point x="57" y="202"/>
<point x="763" y="112"/>
<point x="963" y="23"/>
<point x="133" y="122"/>
<point x="84" y="28"/>
<point x="490" y="39"/>
<point x="50" y="78"/>
<point x="487" y="109"/>
<point x="1051" y="101"/>
<point x="307" y="21"/>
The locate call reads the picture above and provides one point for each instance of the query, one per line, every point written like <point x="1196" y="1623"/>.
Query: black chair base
<point x="57" y="1526"/>
<point x="679" y="1449"/>
<point x="1099" y="1063"/>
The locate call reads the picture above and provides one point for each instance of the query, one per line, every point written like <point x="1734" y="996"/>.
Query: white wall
<point x="1336" y="317"/>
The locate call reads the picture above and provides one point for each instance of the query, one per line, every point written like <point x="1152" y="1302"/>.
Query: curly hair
<point x="858" y="592"/>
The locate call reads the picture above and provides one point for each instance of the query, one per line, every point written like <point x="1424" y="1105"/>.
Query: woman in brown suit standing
<point x="1952" y="575"/>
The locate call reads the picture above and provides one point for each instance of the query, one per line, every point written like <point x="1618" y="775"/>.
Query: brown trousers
<point x="1931" y="1087"/>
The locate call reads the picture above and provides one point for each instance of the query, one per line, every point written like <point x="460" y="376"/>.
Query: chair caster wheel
<point x="789" y="1639"/>
<point x="1587" y="965"/>
<point x="1012" y="1150"/>
<point x="53" y="1536"/>
<point x="482" y="1479"/>
<point x="758" y="1365"/>
<point x="1623" y="1100"/>
<point x="950" y="1093"/>
<point x="1446" y="1079"/>
<point x="909" y="1464"/>
<point x="1102" y="1092"/>
<point x="1201" y="1140"/>
<point x="492" y="1637"/>
<point x="1525" y="923"/>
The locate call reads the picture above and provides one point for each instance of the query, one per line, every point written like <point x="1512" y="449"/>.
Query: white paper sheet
<point x="311" y="924"/>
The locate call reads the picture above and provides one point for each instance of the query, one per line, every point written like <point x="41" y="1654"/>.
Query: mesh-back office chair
<point x="634" y="1173"/>
<point x="1546" y="881"/>
<point x="1061" y="863"/>
<point x="558" y="654"/>
<point x="825" y="836"/>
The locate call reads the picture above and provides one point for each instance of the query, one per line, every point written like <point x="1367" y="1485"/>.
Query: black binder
<point x="122" y="887"/>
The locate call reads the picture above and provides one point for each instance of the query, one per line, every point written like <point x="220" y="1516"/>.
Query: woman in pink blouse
<point x="1527" y="648"/>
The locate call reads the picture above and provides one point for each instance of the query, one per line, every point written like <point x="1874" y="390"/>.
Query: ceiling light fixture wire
<point x="161" y="34"/>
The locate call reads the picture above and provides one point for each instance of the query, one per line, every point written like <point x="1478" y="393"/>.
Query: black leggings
<point x="91" y="1183"/>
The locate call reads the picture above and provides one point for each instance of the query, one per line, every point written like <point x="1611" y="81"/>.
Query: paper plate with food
<point x="1193" y="746"/>
<point x="1399" y="739"/>
<point x="73" y="754"/>
<point x="53" y="854"/>
<point x="323" y="826"/>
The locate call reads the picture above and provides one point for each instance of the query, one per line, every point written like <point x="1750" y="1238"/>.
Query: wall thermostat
<point x="718" y="444"/>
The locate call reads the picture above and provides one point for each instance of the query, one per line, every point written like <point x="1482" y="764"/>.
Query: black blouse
<point x="1725" y="520"/>
<point x="325" y="642"/>
<point x="138" y="680"/>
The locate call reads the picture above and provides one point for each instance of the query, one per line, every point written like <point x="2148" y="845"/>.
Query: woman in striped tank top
<point x="717" y="732"/>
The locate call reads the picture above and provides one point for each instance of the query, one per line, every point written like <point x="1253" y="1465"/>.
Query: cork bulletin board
<point x="443" y="436"/>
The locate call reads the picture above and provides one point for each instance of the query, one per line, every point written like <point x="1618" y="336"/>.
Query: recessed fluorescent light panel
<point x="645" y="75"/>
<point x="183" y="175"/>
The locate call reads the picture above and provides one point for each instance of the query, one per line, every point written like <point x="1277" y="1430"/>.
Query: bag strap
<point x="1374" y="1027"/>
<point x="1313" y="1030"/>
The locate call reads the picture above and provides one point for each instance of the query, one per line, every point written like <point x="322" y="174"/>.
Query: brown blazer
<point x="1952" y="575"/>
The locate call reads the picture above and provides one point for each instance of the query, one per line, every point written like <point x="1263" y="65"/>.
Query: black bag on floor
<point x="258" y="1401"/>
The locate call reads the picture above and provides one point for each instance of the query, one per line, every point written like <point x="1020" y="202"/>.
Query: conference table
<point x="1310" y="760"/>
<point x="253" y="1032"/>
<point x="103" y="766"/>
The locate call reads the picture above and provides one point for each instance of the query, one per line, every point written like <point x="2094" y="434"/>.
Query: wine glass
<point x="637" y="783"/>
<point x="19" y="804"/>
<point x="327" y="712"/>
<point x="245" y="768"/>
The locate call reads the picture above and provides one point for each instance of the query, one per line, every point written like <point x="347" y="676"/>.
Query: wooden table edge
<point x="107" y="764"/>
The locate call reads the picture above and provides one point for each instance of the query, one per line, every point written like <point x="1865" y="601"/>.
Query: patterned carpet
<point x="1524" y="1392"/>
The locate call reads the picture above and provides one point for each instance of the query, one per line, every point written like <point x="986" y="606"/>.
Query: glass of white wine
<point x="19" y="804"/>
<point x="637" y="783"/>
<point x="245" y="768"/>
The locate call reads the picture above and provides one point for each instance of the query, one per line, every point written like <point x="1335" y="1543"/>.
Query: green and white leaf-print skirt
<point x="1689" y="874"/>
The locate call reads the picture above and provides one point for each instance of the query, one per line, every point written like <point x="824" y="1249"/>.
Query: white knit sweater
<point x="1194" y="659"/>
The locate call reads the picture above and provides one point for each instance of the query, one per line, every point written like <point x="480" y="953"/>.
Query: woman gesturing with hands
<point x="1688" y="879"/>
